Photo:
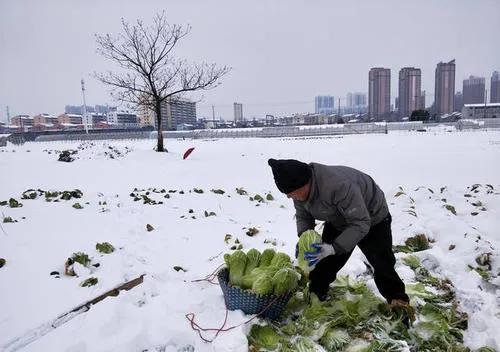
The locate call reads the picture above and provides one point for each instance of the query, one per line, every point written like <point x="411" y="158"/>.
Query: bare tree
<point x="150" y="74"/>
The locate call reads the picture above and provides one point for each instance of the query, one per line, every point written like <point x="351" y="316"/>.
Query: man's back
<point x="344" y="197"/>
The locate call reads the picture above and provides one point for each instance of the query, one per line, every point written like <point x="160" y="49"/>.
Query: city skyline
<point x="416" y="100"/>
<point x="273" y="69"/>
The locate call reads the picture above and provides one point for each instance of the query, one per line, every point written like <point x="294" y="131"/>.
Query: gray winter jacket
<point x="345" y="197"/>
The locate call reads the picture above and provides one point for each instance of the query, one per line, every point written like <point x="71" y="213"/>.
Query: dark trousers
<point x="377" y="248"/>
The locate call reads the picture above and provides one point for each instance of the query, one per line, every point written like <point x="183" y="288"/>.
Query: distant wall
<point x="261" y="132"/>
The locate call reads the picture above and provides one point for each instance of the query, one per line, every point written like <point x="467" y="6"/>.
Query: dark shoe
<point x="323" y="296"/>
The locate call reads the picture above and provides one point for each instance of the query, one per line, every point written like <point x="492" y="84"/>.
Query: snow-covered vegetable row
<point x="354" y="319"/>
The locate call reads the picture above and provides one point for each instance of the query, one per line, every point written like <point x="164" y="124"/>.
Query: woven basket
<point x="251" y="303"/>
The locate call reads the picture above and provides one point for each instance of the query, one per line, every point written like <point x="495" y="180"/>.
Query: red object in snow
<point x="187" y="153"/>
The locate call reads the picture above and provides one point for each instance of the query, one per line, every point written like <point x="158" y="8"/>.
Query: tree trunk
<point x="159" y="145"/>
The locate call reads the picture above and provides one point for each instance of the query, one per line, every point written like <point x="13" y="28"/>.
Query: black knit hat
<point x="290" y="174"/>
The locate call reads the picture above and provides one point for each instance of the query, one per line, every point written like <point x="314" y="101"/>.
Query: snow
<point x="482" y="105"/>
<point x="151" y="316"/>
<point x="309" y="127"/>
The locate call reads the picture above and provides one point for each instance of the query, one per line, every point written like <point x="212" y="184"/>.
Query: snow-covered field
<point x="151" y="316"/>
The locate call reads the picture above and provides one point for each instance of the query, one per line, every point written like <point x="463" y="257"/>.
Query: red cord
<point x="191" y="316"/>
<point x="211" y="277"/>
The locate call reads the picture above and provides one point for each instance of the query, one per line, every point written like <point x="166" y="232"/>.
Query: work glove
<point x="321" y="250"/>
<point x="404" y="311"/>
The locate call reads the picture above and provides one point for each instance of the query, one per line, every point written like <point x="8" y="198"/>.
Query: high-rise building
<point x="444" y="91"/>
<point x="459" y="101"/>
<point x="355" y="102"/>
<point x="474" y="90"/>
<point x="379" y="92"/>
<point x="422" y="100"/>
<point x="238" y="112"/>
<point x="495" y="87"/>
<point x="78" y="109"/>
<point x="104" y="109"/>
<point x="176" y="113"/>
<point x="324" y="104"/>
<point x="410" y="83"/>
<point x="73" y="109"/>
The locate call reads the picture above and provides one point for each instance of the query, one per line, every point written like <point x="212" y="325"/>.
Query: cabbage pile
<point x="269" y="272"/>
<point x="354" y="319"/>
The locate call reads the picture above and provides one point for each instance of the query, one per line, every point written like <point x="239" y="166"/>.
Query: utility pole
<point x="84" y="118"/>
<point x="339" y="106"/>
<point x="8" y="115"/>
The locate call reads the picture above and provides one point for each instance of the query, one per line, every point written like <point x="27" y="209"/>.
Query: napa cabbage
<point x="263" y="285"/>
<point x="285" y="280"/>
<point x="237" y="263"/>
<point x="335" y="339"/>
<point x="266" y="257"/>
<point x="306" y="239"/>
<point x="253" y="259"/>
<point x="280" y="260"/>
<point x="264" y="337"/>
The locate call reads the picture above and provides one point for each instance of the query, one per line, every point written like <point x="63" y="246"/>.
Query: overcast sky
<point x="282" y="52"/>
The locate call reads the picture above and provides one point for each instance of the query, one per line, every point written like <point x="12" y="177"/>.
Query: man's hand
<point x="321" y="250"/>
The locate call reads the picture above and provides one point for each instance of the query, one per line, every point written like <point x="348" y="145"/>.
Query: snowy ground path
<point x="152" y="315"/>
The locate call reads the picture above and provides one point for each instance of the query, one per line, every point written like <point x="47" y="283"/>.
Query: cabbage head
<point x="248" y="280"/>
<point x="264" y="337"/>
<point x="335" y="339"/>
<point x="266" y="257"/>
<point x="486" y="349"/>
<point x="285" y="280"/>
<point x="306" y="344"/>
<point x="306" y="239"/>
<point x="263" y="285"/>
<point x="227" y="258"/>
<point x="237" y="265"/>
<point x="281" y="260"/>
<point x="253" y="258"/>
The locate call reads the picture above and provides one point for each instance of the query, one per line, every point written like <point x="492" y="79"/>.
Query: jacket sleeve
<point x="351" y="205"/>
<point x="304" y="219"/>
